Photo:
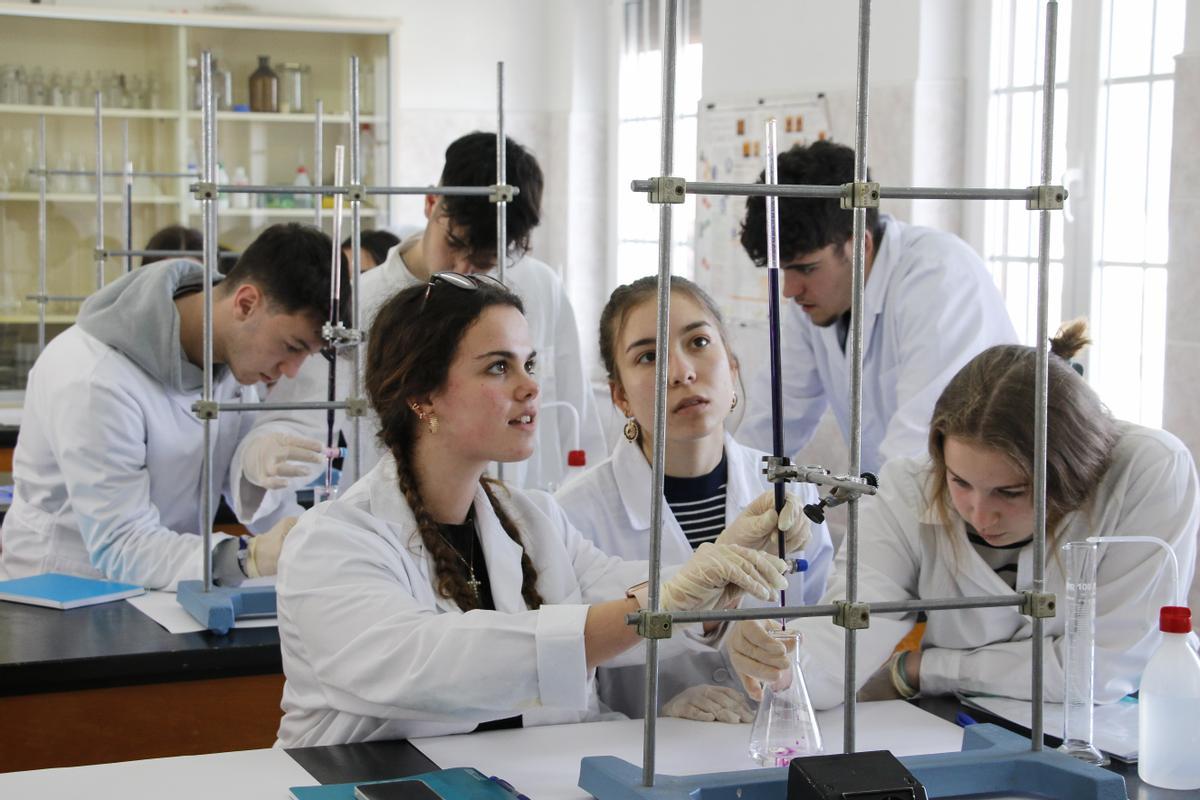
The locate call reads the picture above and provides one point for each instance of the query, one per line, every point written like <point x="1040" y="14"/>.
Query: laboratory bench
<point x="106" y="683"/>
<point x="542" y="762"/>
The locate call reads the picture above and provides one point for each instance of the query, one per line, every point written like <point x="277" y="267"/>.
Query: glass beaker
<point x="1080" y="656"/>
<point x="785" y="726"/>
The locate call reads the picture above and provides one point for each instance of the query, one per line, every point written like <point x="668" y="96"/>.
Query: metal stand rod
<point x="856" y="362"/>
<point x="56" y="298"/>
<point x="309" y="405"/>
<point x="126" y="194"/>
<point x="318" y="161"/>
<point x="335" y="301"/>
<point x="1041" y="380"/>
<point x="771" y="178"/>
<point x="209" y="205"/>
<point x="99" y="173"/>
<point x="41" y="326"/>
<point x="501" y="204"/>
<point x="356" y="177"/>
<point x="162" y="253"/>
<point x="885" y="607"/>
<point x="661" y="350"/>
<point x="826" y="192"/>
<point x="455" y="191"/>
<point x="115" y="173"/>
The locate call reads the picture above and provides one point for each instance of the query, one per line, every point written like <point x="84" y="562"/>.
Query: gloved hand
<point x="263" y="558"/>
<point x="758" y="526"/>
<point x="271" y="458"/>
<point x="756" y="655"/>
<point x="717" y="574"/>
<point x="709" y="704"/>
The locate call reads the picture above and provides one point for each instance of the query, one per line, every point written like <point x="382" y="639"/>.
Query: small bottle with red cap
<point x="1169" y="707"/>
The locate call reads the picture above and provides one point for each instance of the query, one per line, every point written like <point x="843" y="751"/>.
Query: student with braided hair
<point x="430" y="599"/>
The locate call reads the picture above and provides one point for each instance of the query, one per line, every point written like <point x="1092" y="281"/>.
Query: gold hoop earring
<point x="733" y="405"/>
<point x="632" y="429"/>
<point x="430" y="419"/>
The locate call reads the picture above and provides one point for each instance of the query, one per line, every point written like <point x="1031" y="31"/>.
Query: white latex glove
<point x="271" y="458"/>
<point x="758" y="526"/>
<point x="709" y="704"/>
<point x="717" y="574"/>
<point x="757" y="657"/>
<point x="263" y="558"/>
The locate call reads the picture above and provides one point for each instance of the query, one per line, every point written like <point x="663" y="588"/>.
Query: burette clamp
<point x="339" y="335"/>
<point x="666" y="189"/>
<point x="206" y="409"/>
<point x="1049" y="198"/>
<point x="852" y="616"/>
<point x="356" y="193"/>
<point x="1039" y="605"/>
<point x="502" y="193"/>
<point x="356" y="406"/>
<point x="654" y="624"/>
<point x="860" y="194"/>
<point x="204" y="190"/>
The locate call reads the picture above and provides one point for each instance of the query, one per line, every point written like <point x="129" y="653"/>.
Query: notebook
<point x="54" y="590"/>
<point x="457" y="783"/>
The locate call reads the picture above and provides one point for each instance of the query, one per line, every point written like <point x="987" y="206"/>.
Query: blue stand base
<point x="217" y="608"/>
<point x="993" y="761"/>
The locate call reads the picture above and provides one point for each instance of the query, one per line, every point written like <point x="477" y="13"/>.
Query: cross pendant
<point x="474" y="585"/>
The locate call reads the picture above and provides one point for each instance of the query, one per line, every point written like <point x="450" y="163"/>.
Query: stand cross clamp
<point x="845" y="487"/>
<point x="339" y="336"/>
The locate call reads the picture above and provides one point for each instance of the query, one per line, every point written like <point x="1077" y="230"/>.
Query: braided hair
<point x="412" y="343"/>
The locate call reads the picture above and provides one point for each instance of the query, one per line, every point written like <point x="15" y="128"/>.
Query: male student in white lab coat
<point x="929" y="307"/>
<point x="108" y="461"/>
<point x="459" y="236"/>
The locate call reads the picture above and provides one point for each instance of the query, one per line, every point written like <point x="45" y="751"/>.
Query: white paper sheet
<point x="163" y="608"/>
<point x="1115" y="725"/>
<point x="543" y="762"/>
<point x="244" y="775"/>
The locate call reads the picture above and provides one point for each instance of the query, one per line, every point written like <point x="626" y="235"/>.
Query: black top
<point x="699" y="503"/>
<point x="1001" y="558"/>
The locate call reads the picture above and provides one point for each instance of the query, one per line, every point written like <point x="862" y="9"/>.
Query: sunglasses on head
<point x="460" y="281"/>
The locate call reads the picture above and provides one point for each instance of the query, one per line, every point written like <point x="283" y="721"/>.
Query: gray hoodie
<point x="136" y="316"/>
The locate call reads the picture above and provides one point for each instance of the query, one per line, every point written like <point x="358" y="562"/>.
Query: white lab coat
<point x="371" y="651"/>
<point x="107" y="468"/>
<point x="906" y="553"/>
<point x="930" y="306"/>
<point x="610" y="505"/>
<point x="560" y="376"/>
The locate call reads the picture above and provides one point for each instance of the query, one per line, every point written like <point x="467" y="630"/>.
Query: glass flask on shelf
<point x="785" y="726"/>
<point x="293" y="87"/>
<point x="264" y="87"/>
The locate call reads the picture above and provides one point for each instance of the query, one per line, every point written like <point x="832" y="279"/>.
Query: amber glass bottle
<point x="264" y="87"/>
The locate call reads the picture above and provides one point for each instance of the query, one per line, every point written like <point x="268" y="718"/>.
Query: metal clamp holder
<point x="1039" y="605"/>
<point x="206" y="409"/>
<point x="356" y="407"/>
<point x="99" y="254"/>
<point x="204" y="190"/>
<point x="665" y="189"/>
<point x="861" y="194"/>
<point x="1049" y="198"/>
<point x="340" y="336"/>
<point x="501" y="193"/>
<point x="852" y="616"/>
<point x="780" y="469"/>
<point x="356" y="193"/>
<point x="654" y="624"/>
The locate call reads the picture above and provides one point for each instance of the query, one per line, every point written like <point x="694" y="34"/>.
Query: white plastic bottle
<point x="240" y="178"/>
<point x="1169" y="707"/>
<point x="302" y="179"/>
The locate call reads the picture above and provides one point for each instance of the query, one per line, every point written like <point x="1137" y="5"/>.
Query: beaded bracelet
<point x="899" y="682"/>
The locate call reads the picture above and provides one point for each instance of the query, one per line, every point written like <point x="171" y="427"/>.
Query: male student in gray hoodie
<point x="108" y="461"/>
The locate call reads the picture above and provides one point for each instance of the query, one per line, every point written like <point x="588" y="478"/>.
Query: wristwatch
<point x="640" y="592"/>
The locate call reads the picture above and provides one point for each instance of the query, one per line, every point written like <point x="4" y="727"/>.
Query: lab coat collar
<point x="501" y="553"/>
<point x="634" y="480"/>
<point x="887" y="253"/>
<point x="395" y="272"/>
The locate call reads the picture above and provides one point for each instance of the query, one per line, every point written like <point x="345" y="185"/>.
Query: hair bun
<point x="1070" y="339"/>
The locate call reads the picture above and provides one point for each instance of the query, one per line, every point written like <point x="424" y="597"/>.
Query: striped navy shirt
<point x="1001" y="558"/>
<point x="699" y="503"/>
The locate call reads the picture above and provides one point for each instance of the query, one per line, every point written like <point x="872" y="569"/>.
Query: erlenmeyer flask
<point x="1080" y="656"/>
<point x="785" y="726"/>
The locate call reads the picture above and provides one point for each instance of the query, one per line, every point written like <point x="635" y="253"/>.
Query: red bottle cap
<point x="1175" y="619"/>
<point x="576" y="458"/>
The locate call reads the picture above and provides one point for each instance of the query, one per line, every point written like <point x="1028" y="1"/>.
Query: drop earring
<point x="733" y="405"/>
<point x="430" y="419"/>
<point x="632" y="430"/>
